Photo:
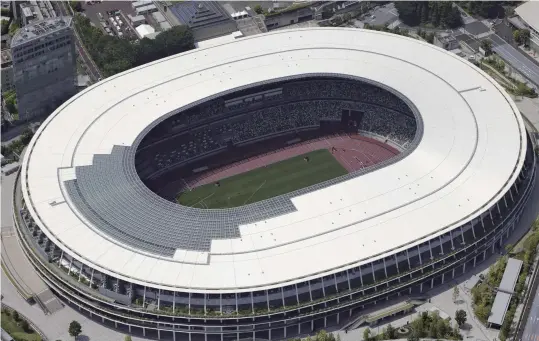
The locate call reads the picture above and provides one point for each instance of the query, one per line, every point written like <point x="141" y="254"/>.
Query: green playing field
<point x="265" y="182"/>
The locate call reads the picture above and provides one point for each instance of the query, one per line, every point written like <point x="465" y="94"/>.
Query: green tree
<point x="75" y="329"/>
<point x="482" y="312"/>
<point x="13" y="28"/>
<point x="113" y="55"/>
<point x="390" y="333"/>
<point x="437" y="13"/>
<point x="525" y="37"/>
<point x="486" y="45"/>
<point x="521" y="37"/>
<point x="16" y="316"/>
<point x="4" y="26"/>
<point x="509" y="247"/>
<point x="453" y="18"/>
<point x="485" y="9"/>
<point x="26" y="326"/>
<point x="517" y="36"/>
<point x="76" y="6"/>
<point x="460" y="317"/>
<point x="366" y="334"/>
<point x="258" y="9"/>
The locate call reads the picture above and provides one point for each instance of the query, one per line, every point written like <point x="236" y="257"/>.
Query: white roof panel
<point x="470" y="153"/>
<point x="529" y="12"/>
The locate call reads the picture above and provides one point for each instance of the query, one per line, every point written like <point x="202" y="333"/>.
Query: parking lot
<point x="101" y="15"/>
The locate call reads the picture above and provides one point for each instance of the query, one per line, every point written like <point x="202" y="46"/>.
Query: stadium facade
<point x="93" y="222"/>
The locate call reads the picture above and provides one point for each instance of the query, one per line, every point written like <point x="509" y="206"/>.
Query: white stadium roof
<point x="470" y="153"/>
<point x="529" y="12"/>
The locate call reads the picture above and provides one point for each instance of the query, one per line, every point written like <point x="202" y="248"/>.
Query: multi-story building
<point x="44" y="66"/>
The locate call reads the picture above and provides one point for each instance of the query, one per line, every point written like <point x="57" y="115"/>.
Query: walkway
<point x="13" y="259"/>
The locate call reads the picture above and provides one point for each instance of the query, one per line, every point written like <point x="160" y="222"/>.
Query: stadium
<point x="273" y="186"/>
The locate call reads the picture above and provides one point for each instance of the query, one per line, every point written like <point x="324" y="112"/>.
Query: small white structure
<point x="239" y="15"/>
<point x="144" y="30"/>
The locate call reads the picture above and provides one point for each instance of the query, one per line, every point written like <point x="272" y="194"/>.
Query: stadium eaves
<point x="396" y="231"/>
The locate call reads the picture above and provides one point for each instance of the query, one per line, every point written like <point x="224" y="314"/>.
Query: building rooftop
<point x="499" y="308"/>
<point x="144" y="30"/>
<point x="510" y="275"/>
<point x="37" y="10"/>
<point x="135" y="18"/>
<point x="505" y="291"/>
<point x="471" y="150"/>
<point x="40" y="28"/>
<point x="195" y="14"/>
<point x="445" y="37"/>
<point x="529" y="12"/>
<point x="476" y="28"/>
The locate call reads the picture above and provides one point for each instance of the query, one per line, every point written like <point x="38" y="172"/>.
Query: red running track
<point x="353" y="152"/>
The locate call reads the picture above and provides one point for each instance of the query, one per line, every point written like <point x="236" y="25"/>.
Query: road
<point x="531" y="330"/>
<point x="91" y="67"/>
<point x="518" y="60"/>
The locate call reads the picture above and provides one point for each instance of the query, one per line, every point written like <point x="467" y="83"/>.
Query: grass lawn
<point x="14" y="329"/>
<point x="265" y="182"/>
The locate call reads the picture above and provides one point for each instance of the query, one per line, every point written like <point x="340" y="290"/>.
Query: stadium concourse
<point x="99" y="229"/>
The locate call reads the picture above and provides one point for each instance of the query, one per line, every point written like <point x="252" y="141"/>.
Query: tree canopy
<point x="74" y="329"/>
<point x="113" y="54"/>
<point x="460" y="317"/>
<point x="4" y="26"/>
<point x="486" y="45"/>
<point x="485" y="9"/>
<point x="438" y="14"/>
<point x="258" y="9"/>
<point x="482" y="294"/>
<point x="76" y="6"/>
<point x="521" y="37"/>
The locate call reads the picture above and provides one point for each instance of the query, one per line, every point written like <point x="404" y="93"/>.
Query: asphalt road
<point x="519" y="61"/>
<point x="501" y="44"/>
<point x="531" y="331"/>
<point x="93" y="70"/>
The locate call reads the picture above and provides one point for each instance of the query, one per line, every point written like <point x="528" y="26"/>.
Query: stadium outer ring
<point x="476" y="116"/>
